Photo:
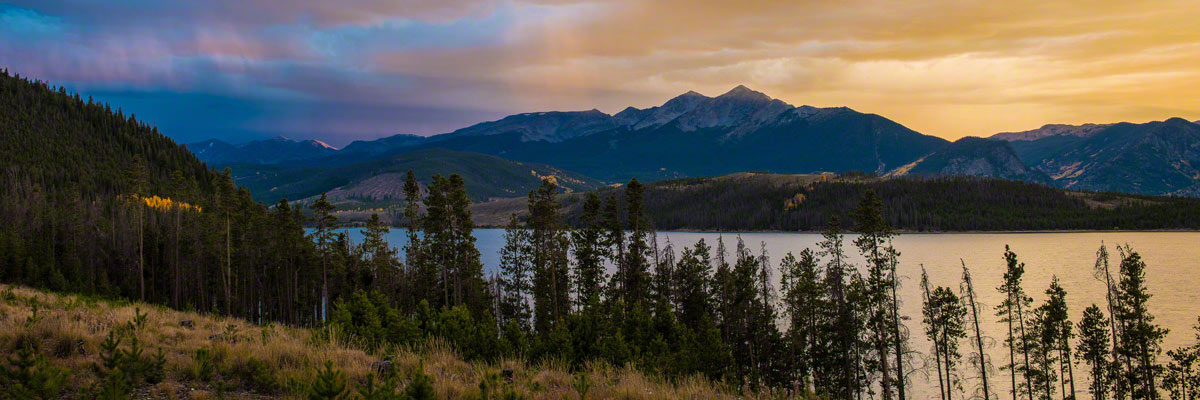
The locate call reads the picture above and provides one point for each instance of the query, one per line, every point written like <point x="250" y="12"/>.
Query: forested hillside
<point x="755" y="201"/>
<point x="94" y="201"/>
<point x="76" y="147"/>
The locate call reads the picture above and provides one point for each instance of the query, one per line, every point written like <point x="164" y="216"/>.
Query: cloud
<point x="949" y="68"/>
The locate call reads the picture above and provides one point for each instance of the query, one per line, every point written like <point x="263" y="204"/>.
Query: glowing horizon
<point x="251" y="69"/>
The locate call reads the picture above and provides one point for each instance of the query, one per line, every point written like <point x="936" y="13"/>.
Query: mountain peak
<point x="318" y="143"/>
<point x="686" y="100"/>
<point x="281" y="138"/>
<point x="743" y="92"/>
<point x="742" y="108"/>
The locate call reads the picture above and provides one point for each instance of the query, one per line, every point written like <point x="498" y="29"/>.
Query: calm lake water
<point x="1172" y="274"/>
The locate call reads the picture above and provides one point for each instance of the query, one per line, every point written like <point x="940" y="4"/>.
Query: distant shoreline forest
<point x="759" y="202"/>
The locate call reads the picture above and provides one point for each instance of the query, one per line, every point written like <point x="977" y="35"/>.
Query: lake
<point x="1172" y="275"/>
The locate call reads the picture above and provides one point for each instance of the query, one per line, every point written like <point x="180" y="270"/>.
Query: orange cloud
<point x="948" y="68"/>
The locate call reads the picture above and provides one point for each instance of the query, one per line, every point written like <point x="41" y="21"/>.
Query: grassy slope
<point x="70" y="329"/>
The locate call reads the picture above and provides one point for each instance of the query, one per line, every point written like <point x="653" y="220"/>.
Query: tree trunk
<point x="141" y="254"/>
<point x="899" y="348"/>
<point x="1024" y="348"/>
<point x="978" y="336"/>
<point x="1012" y="352"/>
<point x="949" y="371"/>
<point x="937" y="355"/>
<point x="884" y="373"/>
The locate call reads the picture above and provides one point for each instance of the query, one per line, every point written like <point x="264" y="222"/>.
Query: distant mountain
<point x="270" y="151"/>
<point x="1161" y="157"/>
<point x="381" y="180"/>
<point x="384" y="144"/>
<point x="552" y="126"/>
<point x="634" y="118"/>
<point x="972" y="156"/>
<point x="695" y="135"/>
<point x="1084" y="130"/>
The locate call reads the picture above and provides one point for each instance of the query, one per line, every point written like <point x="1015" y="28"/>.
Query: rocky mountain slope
<point x="1161" y="157"/>
<point x="972" y="156"/>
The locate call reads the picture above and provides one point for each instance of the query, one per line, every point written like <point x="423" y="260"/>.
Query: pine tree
<point x="437" y="247"/>
<point x="636" y="282"/>
<point x="693" y="277"/>
<point x="1141" y="340"/>
<point x="382" y="256"/>
<point x="224" y="198"/>
<point x="1095" y="350"/>
<point x="947" y="314"/>
<point x="515" y="269"/>
<point x="803" y="298"/>
<point x="873" y="242"/>
<point x="837" y="365"/>
<point x="549" y="245"/>
<point x="929" y="316"/>
<point x="1062" y="329"/>
<point x="468" y="284"/>
<point x="1012" y="312"/>
<point x="415" y="272"/>
<point x="323" y="216"/>
<point x="1182" y="376"/>
<point x="1120" y="387"/>
<point x="330" y="384"/>
<point x="1044" y="340"/>
<point x="981" y="360"/>
<point x="589" y="250"/>
<point x="138" y="182"/>
<point x="614" y="240"/>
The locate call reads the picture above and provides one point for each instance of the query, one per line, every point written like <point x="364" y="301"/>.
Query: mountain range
<point x="270" y="151"/>
<point x="1161" y="157"/>
<point x="742" y="130"/>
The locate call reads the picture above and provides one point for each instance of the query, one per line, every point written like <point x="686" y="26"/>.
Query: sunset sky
<point x="345" y="70"/>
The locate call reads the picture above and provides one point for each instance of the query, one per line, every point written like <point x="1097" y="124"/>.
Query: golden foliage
<point x="166" y="204"/>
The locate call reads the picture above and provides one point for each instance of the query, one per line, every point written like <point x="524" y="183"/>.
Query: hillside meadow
<point x="209" y="357"/>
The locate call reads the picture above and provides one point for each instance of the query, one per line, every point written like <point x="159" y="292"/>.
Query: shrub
<point x="257" y="374"/>
<point x="31" y="377"/>
<point x="420" y="386"/>
<point x="384" y="391"/>
<point x="204" y="365"/>
<point x="120" y="370"/>
<point x="330" y="384"/>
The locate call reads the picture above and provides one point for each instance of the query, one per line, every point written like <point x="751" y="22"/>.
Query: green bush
<point x="32" y="377"/>
<point x="370" y="390"/>
<point x="122" y="369"/>
<point x="420" y="386"/>
<point x="330" y="384"/>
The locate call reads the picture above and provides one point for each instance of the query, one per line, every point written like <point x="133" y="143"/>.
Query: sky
<point x="339" y="71"/>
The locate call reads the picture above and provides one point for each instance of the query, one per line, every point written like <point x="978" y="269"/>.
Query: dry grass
<point x="68" y="330"/>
